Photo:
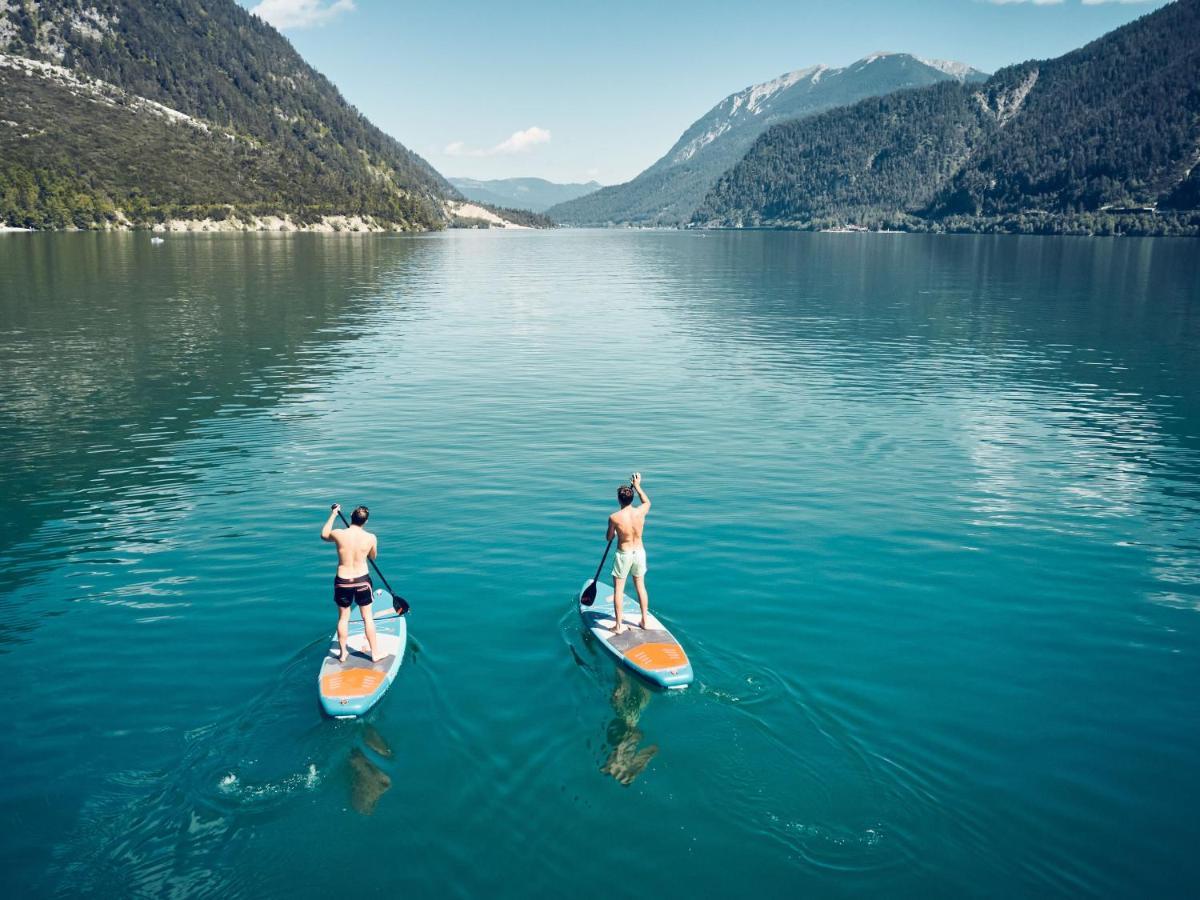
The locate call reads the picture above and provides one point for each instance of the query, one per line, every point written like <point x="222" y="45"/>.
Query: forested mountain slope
<point x="1104" y="139"/>
<point x="82" y="140"/>
<point x="671" y="189"/>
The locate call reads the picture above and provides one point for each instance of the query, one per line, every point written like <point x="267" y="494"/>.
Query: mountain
<point x="535" y="194"/>
<point x="1105" y="139"/>
<point x="123" y="112"/>
<point x="671" y="189"/>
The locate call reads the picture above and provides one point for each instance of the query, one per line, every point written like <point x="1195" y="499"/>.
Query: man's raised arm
<point x="636" y="481"/>
<point x="327" y="531"/>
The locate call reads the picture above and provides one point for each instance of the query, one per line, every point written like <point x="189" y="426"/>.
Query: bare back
<point x="355" y="545"/>
<point x="628" y="524"/>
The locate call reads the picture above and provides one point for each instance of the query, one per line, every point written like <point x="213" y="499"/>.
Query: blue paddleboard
<point x="348" y="689"/>
<point x="652" y="652"/>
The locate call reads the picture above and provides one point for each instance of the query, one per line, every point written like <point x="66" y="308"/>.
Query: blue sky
<point x="573" y="91"/>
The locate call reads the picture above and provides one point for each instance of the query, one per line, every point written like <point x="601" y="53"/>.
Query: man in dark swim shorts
<point x="352" y="582"/>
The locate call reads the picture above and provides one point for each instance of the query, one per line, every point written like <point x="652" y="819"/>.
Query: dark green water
<point x="926" y="516"/>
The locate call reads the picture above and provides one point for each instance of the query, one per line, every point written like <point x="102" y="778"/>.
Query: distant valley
<point x="535" y="194"/>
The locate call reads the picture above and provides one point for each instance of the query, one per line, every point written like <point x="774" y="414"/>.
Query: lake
<point x="926" y="516"/>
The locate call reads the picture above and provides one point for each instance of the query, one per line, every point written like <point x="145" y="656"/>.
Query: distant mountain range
<point x="122" y="113"/>
<point x="1105" y="139"/>
<point x="669" y="191"/>
<point x="126" y="112"/>
<point x="534" y="194"/>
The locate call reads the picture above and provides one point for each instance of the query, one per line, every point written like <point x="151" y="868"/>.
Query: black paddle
<point x="588" y="597"/>
<point x="399" y="604"/>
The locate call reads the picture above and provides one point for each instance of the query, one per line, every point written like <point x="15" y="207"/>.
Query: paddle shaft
<point x="596" y="577"/>
<point x="372" y="564"/>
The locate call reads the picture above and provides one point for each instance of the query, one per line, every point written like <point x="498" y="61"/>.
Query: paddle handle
<point x="372" y="564"/>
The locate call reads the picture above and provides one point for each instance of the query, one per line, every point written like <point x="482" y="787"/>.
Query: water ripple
<point x="925" y="517"/>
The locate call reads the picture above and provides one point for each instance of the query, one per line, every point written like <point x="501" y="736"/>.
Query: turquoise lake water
<point x="926" y="516"/>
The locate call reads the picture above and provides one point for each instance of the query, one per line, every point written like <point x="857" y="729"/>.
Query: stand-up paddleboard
<point x="652" y="652"/>
<point x="350" y="688"/>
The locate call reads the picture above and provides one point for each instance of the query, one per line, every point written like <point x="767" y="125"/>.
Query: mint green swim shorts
<point x="629" y="562"/>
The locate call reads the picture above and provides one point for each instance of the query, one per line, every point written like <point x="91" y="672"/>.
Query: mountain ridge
<point x="1103" y="139"/>
<point x="669" y="190"/>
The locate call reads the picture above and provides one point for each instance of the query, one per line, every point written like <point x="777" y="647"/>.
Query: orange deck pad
<point x="351" y="683"/>
<point x="657" y="655"/>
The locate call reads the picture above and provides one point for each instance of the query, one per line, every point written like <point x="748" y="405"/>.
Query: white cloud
<point x="1034" y="2"/>
<point x="285" y="14"/>
<point x="517" y="142"/>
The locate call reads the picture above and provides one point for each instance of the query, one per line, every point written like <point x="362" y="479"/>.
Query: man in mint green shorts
<point x="627" y="524"/>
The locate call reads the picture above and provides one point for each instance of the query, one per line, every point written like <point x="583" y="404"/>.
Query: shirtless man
<point x="352" y="584"/>
<point x="627" y="524"/>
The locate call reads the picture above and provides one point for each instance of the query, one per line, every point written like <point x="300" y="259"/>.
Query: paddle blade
<point x="588" y="597"/>
<point x="400" y="605"/>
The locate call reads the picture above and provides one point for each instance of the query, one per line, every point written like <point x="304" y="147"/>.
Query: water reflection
<point x="931" y="313"/>
<point x="369" y="782"/>
<point x="110" y="353"/>
<point x="1048" y="386"/>
<point x="624" y="756"/>
<point x="113" y="355"/>
<point x="627" y="759"/>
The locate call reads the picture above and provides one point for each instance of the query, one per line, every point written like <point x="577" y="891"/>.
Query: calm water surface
<point x="926" y="515"/>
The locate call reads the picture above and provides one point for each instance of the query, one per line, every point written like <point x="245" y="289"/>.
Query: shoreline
<point x="283" y="224"/>
<point x="330" y="224"/>
<point x="324" y="225"/>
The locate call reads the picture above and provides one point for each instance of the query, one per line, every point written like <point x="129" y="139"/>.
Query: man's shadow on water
<point x="368" y="782"/>
<point x="625" y="760"/>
